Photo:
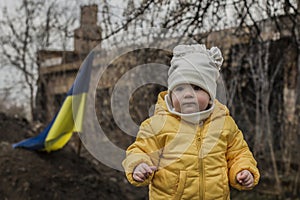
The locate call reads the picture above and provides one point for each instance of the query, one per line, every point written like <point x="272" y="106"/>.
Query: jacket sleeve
<point x="239" y="156"/>
<point x="145" y="149"/>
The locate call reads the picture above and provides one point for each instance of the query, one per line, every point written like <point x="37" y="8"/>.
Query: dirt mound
<point x="57" y="175"/>
<point x="61" y="174"/>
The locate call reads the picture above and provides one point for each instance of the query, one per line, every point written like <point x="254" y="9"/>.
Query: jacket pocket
<point x="180" y="185"/>
<point x="163" y="184"/>
<point x="167" y="184"/>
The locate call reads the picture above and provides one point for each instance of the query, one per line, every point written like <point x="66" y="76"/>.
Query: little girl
<point x="191" y="148"/>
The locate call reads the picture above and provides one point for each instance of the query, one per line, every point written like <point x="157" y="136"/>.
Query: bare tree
<point x="35" y="25"/>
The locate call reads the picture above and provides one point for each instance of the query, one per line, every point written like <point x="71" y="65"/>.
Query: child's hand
<point x="142" y="172"/>
<point x="245" y="178"/>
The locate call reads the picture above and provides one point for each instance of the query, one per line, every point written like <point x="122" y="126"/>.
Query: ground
<point x="60" y="175"/>
<point x="64" y="174"/>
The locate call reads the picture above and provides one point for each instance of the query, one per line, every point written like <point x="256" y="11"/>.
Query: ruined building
<point x="58" y="69"/>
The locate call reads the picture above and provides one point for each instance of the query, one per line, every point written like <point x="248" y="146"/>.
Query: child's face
<point x="187" y="98"/>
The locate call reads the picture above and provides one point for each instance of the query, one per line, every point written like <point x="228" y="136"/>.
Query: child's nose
<point x="188" y="92"/>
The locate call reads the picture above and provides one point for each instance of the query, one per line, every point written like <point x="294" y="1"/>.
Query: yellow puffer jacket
<point x="193" y="161"/>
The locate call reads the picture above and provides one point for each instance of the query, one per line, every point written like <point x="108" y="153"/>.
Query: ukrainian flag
<point x="68" y="119"/>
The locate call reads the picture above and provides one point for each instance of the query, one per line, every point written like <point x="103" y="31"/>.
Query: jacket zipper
<point x="201" y="185"/>
<point x="200" y="160"/>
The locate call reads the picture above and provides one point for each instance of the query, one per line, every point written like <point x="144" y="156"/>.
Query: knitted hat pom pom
<point x="216" y="55"/>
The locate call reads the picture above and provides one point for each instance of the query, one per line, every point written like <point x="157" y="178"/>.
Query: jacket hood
<point x="161" y="108"/>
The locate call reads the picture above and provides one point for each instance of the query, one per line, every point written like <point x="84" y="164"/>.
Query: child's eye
<point x="196" y="88"/>
<point x="178" y="89"/>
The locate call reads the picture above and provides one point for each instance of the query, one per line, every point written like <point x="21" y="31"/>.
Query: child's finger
<point x="243" y="174"/>
<point x="249" y="180"/>
<point x="144" y="168"/>
<point x="147" y="169"/>
<point x="151" y="169"/>
<point x="248" y="183"/>
<point x="138" y="177"/>
<point x="239" y="177"/>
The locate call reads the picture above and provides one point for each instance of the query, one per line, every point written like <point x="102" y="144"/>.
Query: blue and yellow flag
<point x="60" y="129"/>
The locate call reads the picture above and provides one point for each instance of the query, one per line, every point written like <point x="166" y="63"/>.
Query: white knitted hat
<point x="194" y="64"/>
